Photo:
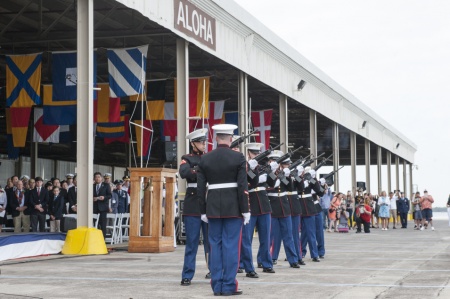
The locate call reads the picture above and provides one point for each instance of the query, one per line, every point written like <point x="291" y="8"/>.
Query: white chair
<point x="124" y="227"/>
<point x="112" y="226"/>
<point x="95" y="219"/>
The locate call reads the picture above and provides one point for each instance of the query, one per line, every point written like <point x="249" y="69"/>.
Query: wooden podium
<point x="157" y="232"/>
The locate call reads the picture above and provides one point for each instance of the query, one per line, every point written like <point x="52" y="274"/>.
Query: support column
<point x="85" y="83"/>
<point x="284" y="137"/>
<point x="182" y="104"/>
<point x="367" y="158"/>
<point x="313" y="134"/>
<point x="410" y="181"/>
<point x="353" y="160"/>
<point x="379" y="162"/>
<point x="389" y="176"/>
<point x="243" y="107"/>
<point x="404" y="178"/>
<point x="335" y="142"/>
<point x="397" y="173"/>
<point x="33" y="159"/>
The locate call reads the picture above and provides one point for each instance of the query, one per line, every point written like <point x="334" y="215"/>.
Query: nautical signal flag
<point x="215" y="118"/>
<point x="156" y="95"/>
<point x="13" y="152"/>
<point x="64" y="76"/>
<point x="23" y="80"/>
<point x="143" y="142"/>
<point x="58" y="112"/>
<point x="262" y="121"/>
<point x="232" y="118"/>
<point x="113" y="129"/>
<point x="125" y="118"/>
<point x="42" y="132"/>
<point x="169" y="124"/>
<point x="127" y="70"/>
<point x="108" y="109"/>
<point x="198" y="94"/>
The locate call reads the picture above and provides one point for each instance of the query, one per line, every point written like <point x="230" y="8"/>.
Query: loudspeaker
<point x="361" y="185"/>
<point x="329" y="181"/>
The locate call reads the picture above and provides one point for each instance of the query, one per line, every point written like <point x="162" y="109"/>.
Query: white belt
<point x="192" y="185"/>
<point x="221" y="186"/>
<point x="292" y="193"/>
<point x="257" y="189"/>
<point x="316" y="202"/>
<point x="276" y="194"/>
<point x="306" y="195"/>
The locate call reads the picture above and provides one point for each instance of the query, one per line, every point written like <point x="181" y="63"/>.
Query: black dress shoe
<point x="268" y="270"/>
<point x="394" y="227"/>
<point x="316" y="260"/>
<point x="252" y="274"/>
<point x="208" y="276"/>
<point x="295" y="265"/>
<point x="274" y="262"/>
<point x="322" y="257"/>
<point x="238" y="292"/>
<point x="260" y="265"/>
<point x="285" y="259"/>
<point x="240" y="270"/>
<point x="185" y="282"/>
<point x="301" y="262"/>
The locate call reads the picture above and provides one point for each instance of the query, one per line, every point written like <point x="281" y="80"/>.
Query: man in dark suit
<point x="72" y="196"/>
<point x="223" y="208"/>
<point x="102" y="195"/>
<point x="39" y="204"/>
<point x="20" y="211"/>
<point x="62" y="192"/>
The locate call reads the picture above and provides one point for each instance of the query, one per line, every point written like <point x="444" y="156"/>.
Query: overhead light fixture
<point x="301" y="84"/>
<point x="397" y="146"/>
<point x="363" y="124"/>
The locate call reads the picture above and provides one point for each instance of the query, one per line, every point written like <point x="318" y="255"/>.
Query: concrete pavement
<point x="383" y="264"/>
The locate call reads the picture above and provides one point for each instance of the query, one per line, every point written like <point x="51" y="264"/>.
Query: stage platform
<point x="383" y="264"/>
<point x="15" y="246"/>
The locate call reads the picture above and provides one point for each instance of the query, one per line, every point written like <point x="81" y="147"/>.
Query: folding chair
<point x="124" y="227"/>
<point x="95" y="219"/>
<point x="111" y="220"/>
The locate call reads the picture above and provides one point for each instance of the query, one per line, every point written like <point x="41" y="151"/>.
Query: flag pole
<point x="142" y="108"/>
<point x="203" y="104"/>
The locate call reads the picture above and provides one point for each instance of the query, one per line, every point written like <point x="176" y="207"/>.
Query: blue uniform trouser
<point x="309" y="236"/>
<point x="275" y="238"/>
<point x="285" y="233"/>
<point x="224" y="240"/>
<point x="319" y="235"/>
<point x="326" y="218"/>
<point x="263" y="223"/>
<point x="192" y="226"/>
<point x="246" y="259"/>
<point x="295" y="235"/>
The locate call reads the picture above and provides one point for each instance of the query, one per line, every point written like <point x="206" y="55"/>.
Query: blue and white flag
<point x="127" y="71"/>
<point x="64" y="75"/>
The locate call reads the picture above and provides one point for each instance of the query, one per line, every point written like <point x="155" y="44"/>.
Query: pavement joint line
<point x="241" y="282"/>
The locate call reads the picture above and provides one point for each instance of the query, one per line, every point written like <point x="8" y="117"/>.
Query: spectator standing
<point x="56" y="210"/>
<point x="427" y="211"/>
<point x="325" y="202"/>
<point x="19" y="204"/>
<point x="384" y="203"/>
<point x="39" y="204"/>
<point x="393" y="208"/>
<point x="102" y="196"/>
<point x="332" y="212"/>
<point x="365" y="212"/>
<point x="403" y="209"/>
<point x="3" y="205"/>
<point x="350" y="206"/>
<point x="417" y="212"/>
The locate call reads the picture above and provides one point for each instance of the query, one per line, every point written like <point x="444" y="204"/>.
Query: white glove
<point x="274" y="165"/>
<point x="300" y="169"/>
<point x="306" y="183"/>
<point x="312" y="172"/>
<point x="252" y="163"/>
<point x="262" y="178"/>
<point x="204" y="218"/>
<point x="322" y="181"/>
<point x="286" y="171"/>
<point x="246" y="218"/>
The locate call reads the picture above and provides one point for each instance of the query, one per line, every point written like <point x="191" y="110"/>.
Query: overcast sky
<point x="392" y="55"/>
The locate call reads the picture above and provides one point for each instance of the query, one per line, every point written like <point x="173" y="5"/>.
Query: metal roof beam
<point x="15" y="18"/>
<point x="56" y="21"/>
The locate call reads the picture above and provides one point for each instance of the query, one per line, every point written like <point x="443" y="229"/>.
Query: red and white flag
<point x="169" y="127"/>
<point x="262" y="121"/>
<point x="42" y="132"/>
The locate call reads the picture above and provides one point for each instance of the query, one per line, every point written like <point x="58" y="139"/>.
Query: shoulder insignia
<point x="183" y="162"/>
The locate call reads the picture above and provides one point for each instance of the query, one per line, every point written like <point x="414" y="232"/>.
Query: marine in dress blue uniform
<point x="281" y="215"/>
<point x="309" y="211"/>
<point x="224" y="206"/>
<point x="191" y="207"/>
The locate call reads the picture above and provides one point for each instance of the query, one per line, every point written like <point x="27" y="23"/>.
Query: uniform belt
<point x="292" y="193"/>
<point x="257" y="189"/>
<point x="221" y="186"/>
<point x="306" y="195"/>
<point x="192" y="185"/>
<point x="276" y="194"/>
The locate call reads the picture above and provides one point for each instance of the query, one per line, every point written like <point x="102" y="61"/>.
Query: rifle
<point x="241" y="139"/>
<point x="322" y="163"/>
<point x="281" y="175"/>
<point x="329" y="175"/>
<point x="304" y="164"/>
<point x="298" y="162"/>
<point x="260" y="157"/>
